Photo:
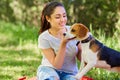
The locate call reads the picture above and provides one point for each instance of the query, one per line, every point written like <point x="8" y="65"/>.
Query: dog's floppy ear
<point x="83" y="30"/>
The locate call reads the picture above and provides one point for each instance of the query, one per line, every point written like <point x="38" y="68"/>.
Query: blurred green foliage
<point x="101" y="14"/>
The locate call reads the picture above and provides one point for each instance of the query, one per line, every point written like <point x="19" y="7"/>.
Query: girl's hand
<point x="65" y="39"/>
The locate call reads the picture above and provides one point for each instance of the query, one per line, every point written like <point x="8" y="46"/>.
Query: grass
<point x="19" y="55"/>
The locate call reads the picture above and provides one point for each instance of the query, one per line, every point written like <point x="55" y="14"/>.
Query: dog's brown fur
<point x="77" y="30"/>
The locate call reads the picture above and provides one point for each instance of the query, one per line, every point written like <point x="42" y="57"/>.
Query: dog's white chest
<point x="88" y="54"/>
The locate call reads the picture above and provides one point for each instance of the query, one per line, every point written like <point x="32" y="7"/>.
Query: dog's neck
<point x="87" y="39"/>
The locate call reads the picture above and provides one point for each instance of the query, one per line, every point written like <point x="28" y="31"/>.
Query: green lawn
<point x="19" y="55"/>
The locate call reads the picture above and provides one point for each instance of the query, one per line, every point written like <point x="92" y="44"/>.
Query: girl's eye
<point x="64" y="16"/>
<point x="57" y="17"/>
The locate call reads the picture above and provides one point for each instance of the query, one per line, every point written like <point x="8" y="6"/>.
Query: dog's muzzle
<point x="68" y="35"/>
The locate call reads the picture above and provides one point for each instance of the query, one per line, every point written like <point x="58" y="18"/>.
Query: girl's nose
<point x="62" y="18"/>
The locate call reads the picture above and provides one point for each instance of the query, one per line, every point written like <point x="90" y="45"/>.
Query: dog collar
<point x="87" y="40"/>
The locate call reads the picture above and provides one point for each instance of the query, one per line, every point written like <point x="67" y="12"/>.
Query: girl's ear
<point x="47" y="18"/>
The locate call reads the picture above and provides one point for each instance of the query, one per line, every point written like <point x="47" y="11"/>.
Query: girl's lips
<point x="62" y="24"/>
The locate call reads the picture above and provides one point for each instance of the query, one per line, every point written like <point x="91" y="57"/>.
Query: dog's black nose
<point x="64" y="34"/>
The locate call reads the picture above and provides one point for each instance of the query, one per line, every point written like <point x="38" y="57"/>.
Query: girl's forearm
<point x="59" y="59"/>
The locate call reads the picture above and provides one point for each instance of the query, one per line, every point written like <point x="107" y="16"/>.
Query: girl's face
<point x="58" y="19"/>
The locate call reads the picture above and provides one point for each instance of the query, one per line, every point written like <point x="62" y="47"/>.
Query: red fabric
<point x="86" y="78"/>
<point x="22" y="78"/>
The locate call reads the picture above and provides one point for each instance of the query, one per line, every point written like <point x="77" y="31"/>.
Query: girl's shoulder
<point x="44" y="34"/>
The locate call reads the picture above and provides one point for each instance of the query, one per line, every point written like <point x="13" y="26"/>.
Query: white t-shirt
<point x="46" y="40"/>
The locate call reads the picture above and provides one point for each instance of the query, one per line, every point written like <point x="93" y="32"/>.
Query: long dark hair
<point x="47" y="11"/>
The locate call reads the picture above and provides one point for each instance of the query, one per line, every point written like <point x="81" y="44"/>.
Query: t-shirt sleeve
<point x="43" y="43"/>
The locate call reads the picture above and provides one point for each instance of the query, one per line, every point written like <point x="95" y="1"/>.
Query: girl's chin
<point x="62" y="26"/>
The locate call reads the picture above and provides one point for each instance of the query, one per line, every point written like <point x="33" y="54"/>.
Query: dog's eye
<point x="72" y="30"/>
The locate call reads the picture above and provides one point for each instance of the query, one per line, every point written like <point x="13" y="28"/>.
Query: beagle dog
<point x="93" y="50"/>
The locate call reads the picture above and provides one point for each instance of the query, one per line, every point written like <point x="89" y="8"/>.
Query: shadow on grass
<point x="19" y="57"/>
<point x="5" y="77"/>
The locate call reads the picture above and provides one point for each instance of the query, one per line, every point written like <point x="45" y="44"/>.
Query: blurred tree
<point x="5" y="11"/>
<point x="102" y="14"/>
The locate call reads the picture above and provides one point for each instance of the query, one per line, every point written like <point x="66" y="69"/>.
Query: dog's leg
<point x="82" y="65"/>
<point x="85" y="70"/>
<point x="102" y="64"/>
<point x="115" y="69"/>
